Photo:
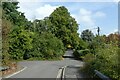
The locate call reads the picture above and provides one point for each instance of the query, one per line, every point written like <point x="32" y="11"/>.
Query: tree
<point x="113" y="38"/>
<point x="87" y="35"/>
<point x="20" y="43"/>
<point x="16" y="43"/>
<point x="42" y="25"/>
<point x="11" y="13"/>
<point x="63" y="26"/>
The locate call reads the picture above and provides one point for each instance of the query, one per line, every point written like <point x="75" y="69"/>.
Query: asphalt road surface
<point x="45" y="69"/>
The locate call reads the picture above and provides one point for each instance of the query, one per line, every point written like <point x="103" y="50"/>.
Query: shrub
<point x="82" y="45"/>
<point x="81" y="53"/>
<point x="46" y="45"/>
<point x="89" y="62"/>
<point x="105" y="61"/>
<point x="4" y="43"/>
<point x="20" y="42"/>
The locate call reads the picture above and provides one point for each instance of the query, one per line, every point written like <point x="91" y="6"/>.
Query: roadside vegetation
<point x="101" y="53"/>
<point x="44" y="39"/>
<point x="47" y="39"/>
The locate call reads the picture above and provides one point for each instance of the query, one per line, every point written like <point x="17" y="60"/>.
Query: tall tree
<point x="11" y="13"/>
<point x="63" y="26"/>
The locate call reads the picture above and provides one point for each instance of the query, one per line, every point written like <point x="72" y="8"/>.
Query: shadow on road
<point x="69" y="55"/>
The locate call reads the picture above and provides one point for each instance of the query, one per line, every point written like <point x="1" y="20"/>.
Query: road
<point x="45" y="69"/>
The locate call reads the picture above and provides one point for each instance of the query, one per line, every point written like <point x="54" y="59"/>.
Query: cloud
<point x="29" y="7"/>
<point x="27" y="11"/>
<point x="87" y="17"/>
<point x="84" y="17"/>
<point x="115" y="30"/>
<point x="84" y="12"/>
<point x="36" y="9"/>
<point x="116" y="0"/>
<point x="99" y="14"/>
<point x="112" y="32"/>
<point x="45" y="11"/>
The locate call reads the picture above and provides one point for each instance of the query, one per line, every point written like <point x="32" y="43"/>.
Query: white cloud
<point x="29" y="7"/>
<point x="35" y="9"/>
<point x="116" y="0"/>
<point x="84" y="12"/>
<point x="45" y="11"/>
<point x="115" y="30"/>
<point x="27" y="12"/>
<point x="99" y="14"/>
<point x="87" y="19"/>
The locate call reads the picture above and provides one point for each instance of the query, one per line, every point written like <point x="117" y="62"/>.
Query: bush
<point x="105" y="61"/>
<point x="82" y="45"/>
<point x="20" y="42"/>
<point x="4" y="43"/>
<point x="81" y="53"/>
<point x="46" y="45"/>
<point x="89" y="62"/>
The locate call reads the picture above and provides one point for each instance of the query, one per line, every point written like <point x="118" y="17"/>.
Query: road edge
<point x="15" y="73"/>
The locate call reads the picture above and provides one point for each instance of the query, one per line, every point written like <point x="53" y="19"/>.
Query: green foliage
<point x="64" y="26"/>
<point x="104" y="57"/>
<point x="106" y="61"/>
<point x="61" y="24"/>
<point x="87" y="35"/>
<point x="89" y="60"/>
<point x="75" y="40"/>
<point x="45" y="39"/>
<point x="20" y="43"/>
<point x="81" y="53"/>
<point x="4" y="37"/>
<point x="46" y="45"/>
<point x="82" y="45"/>
<point x="107" y="58"/>
<point x="11" y="13"/>
<point x="98" y="42"/>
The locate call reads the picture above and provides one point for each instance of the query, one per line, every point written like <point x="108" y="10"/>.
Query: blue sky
<point x="89" y="15"/>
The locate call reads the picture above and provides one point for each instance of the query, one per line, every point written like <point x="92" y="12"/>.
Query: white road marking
<point x="16" y="73"/>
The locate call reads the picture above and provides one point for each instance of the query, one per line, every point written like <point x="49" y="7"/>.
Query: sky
<point x="89" y="14"/>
